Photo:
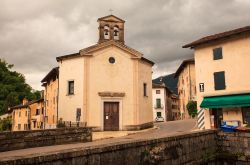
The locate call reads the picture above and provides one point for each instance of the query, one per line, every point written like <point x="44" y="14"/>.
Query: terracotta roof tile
<point x="182" y="66"/>
<point x="218" y="36"/>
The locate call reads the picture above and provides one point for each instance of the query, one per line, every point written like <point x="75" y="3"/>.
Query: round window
<point x="111" y="60"/>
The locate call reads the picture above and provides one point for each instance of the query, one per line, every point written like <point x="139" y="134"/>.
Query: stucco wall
<point x="145" y="103"/>
<point x="186" y="88"/>
<point x="70" y="69"/>
<point x="106" y="77"/>
<point x="22" y="119"/>
<point x="51" y="95"/>
<point x="235" y="63"/>
<point x="38" y="118"/>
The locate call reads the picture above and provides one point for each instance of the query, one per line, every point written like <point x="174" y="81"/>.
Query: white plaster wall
<point x="162" y="97"/>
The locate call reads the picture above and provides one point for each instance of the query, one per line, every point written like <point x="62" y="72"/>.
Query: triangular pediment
<point x="111" y="18"/>
<point x="100" y="46"/>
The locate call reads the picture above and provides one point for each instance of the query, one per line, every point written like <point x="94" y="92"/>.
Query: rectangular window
<point x="26" y="113"/>
<point x="70" y="87"/>
<point x="158" y="114"/>
<point x="219" y="80"/>
<point x="217" y="53"/>
<point x="158" y="103"/>
<point x="19" y="126"/>
<point x="144" y="89"/>
<point x="25" y="127"/>
<point x="34" y="124"/>
<point x="246" y="114"/>
<point x="37" y="111"/>
<point x="158" y="91"/>
<point x="20" y="114"/>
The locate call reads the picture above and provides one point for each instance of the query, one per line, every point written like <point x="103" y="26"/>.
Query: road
<point x="164" y="129"/>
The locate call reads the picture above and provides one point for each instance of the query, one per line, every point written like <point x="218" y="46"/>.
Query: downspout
<point x="57" y="99"/>
<point x="190" y="84"/>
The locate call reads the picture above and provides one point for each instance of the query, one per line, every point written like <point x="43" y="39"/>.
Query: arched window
<point x="116" y="33"/>
<point x="106" y="32"/>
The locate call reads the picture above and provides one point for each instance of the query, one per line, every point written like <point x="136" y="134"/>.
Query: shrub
<point x="5" y="124"/>
<point x="192" y="108"/>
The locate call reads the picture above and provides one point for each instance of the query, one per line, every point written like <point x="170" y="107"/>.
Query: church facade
<point x="108" y="85"/>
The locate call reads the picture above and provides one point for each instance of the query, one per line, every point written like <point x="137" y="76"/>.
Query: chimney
<point x="25" y="101"/>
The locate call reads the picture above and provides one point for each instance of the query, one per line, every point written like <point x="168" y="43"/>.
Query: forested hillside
<point x="13" y="87"/>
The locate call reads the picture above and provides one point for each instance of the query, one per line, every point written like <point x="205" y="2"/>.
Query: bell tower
<point x="111" y="28"/>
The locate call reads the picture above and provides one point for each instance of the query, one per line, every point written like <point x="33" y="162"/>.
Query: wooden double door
<point x="111" y="116"/>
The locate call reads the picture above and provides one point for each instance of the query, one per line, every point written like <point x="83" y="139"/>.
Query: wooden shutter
<point x="217" y="53"/>
<point x="158" y="103"/>
<point x="219" y="80"/>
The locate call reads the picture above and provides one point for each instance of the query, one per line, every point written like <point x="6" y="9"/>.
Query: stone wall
<point x="234" y="147"/>
<point x="204" y="147"/>
<point x="182" y="149"/>
<point x="38" y="138"/>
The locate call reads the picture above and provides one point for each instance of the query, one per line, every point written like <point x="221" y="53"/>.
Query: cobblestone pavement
<point x="164" y="129"/>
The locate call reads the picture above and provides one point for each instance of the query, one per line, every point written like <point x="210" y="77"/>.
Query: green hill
<point x="169" y="81"/>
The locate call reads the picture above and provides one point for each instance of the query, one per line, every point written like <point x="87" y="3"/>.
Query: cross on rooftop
<point x="111" y="11"/>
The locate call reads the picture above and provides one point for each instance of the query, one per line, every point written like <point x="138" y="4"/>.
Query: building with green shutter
<point x="223" y="78"/>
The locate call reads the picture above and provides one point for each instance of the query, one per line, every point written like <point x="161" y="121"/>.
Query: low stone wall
<point x="234" y="147"/>
<point x="204" y="147"/>
<point x="183" y="149"/>
<point x="27" y="139"/>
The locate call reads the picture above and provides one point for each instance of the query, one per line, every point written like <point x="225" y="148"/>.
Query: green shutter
<point x="217" y="53"/>
<point x="158" y="103"/>
<point x="219" y="80"/>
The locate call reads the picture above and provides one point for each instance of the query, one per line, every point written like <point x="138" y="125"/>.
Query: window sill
<point x="70" y="94"/>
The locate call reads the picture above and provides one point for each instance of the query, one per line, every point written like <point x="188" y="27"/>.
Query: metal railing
<point x="159" y="106"/>
<point x="62" y="124"/>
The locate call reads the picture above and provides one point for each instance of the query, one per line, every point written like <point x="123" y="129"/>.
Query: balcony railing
<point x="157" y="106"/>
<point x="37" y="117"/>
<point x="71" y="124"/>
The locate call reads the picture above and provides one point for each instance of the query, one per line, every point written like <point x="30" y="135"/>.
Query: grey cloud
<point x="33" y="33"/>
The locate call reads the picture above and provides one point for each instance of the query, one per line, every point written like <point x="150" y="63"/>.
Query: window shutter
<point x="217" y="53"/>
<point x="219" y="80"/>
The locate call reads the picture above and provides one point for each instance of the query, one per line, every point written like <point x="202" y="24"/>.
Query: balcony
<point x="159" y="106"/>
<point x="37" y="117"/>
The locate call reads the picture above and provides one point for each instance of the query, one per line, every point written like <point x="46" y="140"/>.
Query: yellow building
<point x="25" y="116"/>
<point x="175" y="110"/>
<point x="107" y="85"/>
<point x="186" y="85"/>
<point x="50" y="83"/>
<point x="36" y="114"/>
<point x="222" y="77"/>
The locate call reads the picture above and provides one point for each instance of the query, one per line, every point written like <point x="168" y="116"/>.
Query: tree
<point x="13" y="87"/>
<point x="5" y="124"/>
<point x="192" y="108"/>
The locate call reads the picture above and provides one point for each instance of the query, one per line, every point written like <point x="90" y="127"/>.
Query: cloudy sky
<point x="34" y="33"/>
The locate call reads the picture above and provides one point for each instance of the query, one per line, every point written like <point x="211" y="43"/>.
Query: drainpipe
<point x="190" y="84"/>
<point x="57" y="98"/>
<point x="45" y="105"/>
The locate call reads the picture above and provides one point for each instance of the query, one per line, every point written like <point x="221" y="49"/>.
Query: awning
<point x="239" y="100"/>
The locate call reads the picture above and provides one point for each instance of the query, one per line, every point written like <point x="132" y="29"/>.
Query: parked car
<point x="159" y="119"/>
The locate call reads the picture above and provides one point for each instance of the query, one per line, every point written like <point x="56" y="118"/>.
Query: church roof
<point x="52" y="74"/>
<point x="87" y="51"/>
<point x="110" y="16"/>
<point x="183" y="65"/>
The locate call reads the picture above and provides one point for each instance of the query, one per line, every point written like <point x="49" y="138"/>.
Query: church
<point x="107" y="86"/>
